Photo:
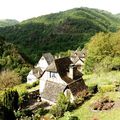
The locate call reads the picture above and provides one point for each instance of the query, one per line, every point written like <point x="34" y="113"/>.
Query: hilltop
<point x="8" y="22"/>
<point x="59" y="32"/>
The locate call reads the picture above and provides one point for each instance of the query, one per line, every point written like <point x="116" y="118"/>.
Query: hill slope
<point x="8" y="22"/>
<point x="59" y="32"/>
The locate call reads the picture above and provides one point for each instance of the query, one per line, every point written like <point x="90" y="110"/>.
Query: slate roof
<point x="37" y="72"/>
<point x="51" y="90"/>
<point x="77" y="87"/>
<point x="62" y="67"/>
<point x="49" y="57"/>
<point x="78" y="55"/>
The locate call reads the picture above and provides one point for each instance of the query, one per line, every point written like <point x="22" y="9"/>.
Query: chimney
<point x="71" y="71"/>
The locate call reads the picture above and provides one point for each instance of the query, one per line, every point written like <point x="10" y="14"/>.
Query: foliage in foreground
<point x="10" y="99"/>
<point x="85" y="113"/>
<point x="6" y="114"/>
<point x="62" y="105"/>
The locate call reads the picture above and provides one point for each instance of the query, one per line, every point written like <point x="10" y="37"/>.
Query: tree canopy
<point x="103" y="52"/>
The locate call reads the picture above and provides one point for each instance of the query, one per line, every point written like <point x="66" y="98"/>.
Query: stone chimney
<point x="71" y="71"/>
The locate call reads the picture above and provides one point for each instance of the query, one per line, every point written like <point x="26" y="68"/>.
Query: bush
<point x="29" y="86"/>
<point x="106" y="88"/>
<point x="23" y="97"/>
<point x="41" y="111"/>
<point x="70" y="117"/>
<point x="79" y="100"/>
<point x="6" y="114"/>
<point x="10" y="99"/>
<point x="35" y="83"/>
<point x="62" y="105"/>
<point x="73" y="118"/>
<point x="23" y="113"/>
<point x="9" y="79"/>
<point x="93" y="88"/>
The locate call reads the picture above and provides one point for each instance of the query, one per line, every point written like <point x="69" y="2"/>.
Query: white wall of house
<point x="69" y="94"/>
<point x="31" y="78"/>
<point x="51" y="76"/>
<point x="42" y="63"/>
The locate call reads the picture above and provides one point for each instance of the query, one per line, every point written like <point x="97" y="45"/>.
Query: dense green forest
<point x="8" y="22"/>
<point x="59" y="32"/>
<point x="10" y="59"/>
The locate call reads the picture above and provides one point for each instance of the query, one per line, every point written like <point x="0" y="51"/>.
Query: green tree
<point x="61" y="106"/>
<point x="9" y="79"/>
<point x="6" y="114"/>
<point x="10" y="99"/>
<point x="103" y="52"/>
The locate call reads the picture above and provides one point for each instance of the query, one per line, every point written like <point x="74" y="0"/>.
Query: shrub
<point x="6" y="114"/>
<point x="10" y="99"/>
<point x="61" y="106"/>
<point x="106" y="88"/>
<point x="73" y="118"/>
<point x="35" y="83"/>
<point x="41" y="111"/>
<point x="28" y="86"/>
<point x="79" y="100"/>
<point x="70" y="117"/>
<point x="23" y="113"/>
<point x="23" y="97"/>
<point x="93" y="88"/>
<point x="9" y="79"/>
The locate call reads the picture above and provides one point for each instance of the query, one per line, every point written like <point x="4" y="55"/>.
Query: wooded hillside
<point x="59" y="32"/>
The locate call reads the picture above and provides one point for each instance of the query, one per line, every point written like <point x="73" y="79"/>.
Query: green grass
<point x="85" y="113"/>
<point x="102" y="78"/>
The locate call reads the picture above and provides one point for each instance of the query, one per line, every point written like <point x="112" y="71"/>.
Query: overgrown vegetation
<point x="63" y="104"/>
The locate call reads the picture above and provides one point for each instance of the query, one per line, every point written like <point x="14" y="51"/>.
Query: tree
<point x="9" y="79"/>
<point x="103" y="52"/>
<point x="6" y="114"/>
<point x="10" y="99"/>
<point x="62" y="105"/>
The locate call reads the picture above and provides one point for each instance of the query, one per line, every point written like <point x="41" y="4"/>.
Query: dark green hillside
<point x="10" y="59"/>
<point x="59" y="32"/>
<point x="8" y="22"/>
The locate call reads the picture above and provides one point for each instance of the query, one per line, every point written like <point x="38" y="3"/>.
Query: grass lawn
<point x="85" y="113"/>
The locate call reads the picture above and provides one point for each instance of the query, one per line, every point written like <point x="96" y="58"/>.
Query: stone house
<point x="78" y="59"/>
<point x="61" y="76"/>
<point x="38" y="70"/>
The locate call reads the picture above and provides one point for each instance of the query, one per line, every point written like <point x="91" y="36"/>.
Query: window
<point x="29" y="79"/>
<point x="53" y="75"/>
